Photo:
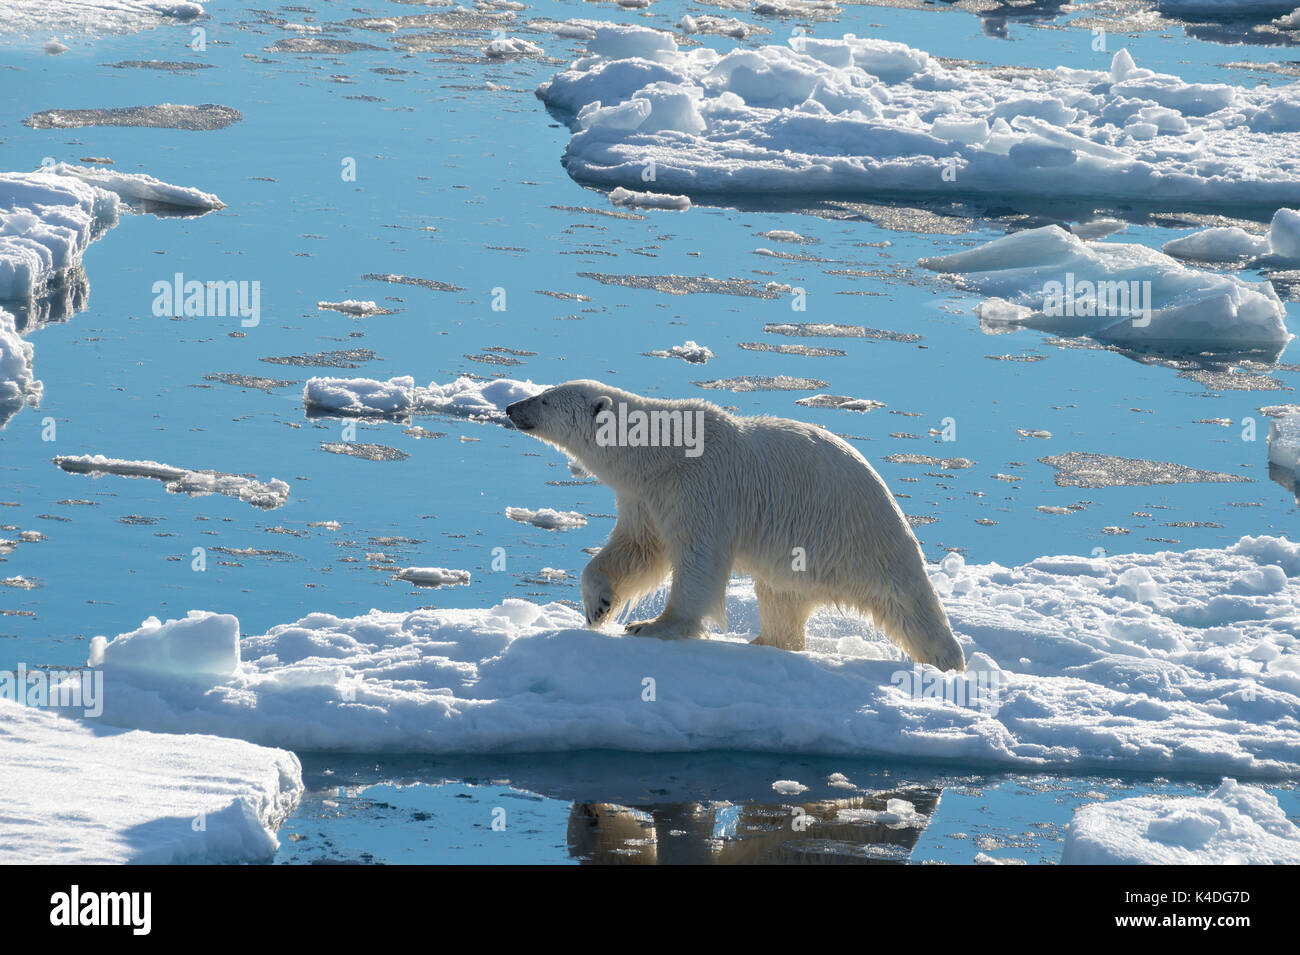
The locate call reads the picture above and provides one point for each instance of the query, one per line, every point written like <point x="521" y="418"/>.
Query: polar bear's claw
<point x="598" y="613"/>
<point x="658" y="629"/>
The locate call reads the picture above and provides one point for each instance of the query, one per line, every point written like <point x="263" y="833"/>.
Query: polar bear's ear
<point x="603" y="403"/>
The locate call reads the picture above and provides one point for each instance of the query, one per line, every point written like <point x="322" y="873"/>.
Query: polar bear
<point x="702" y="494"/>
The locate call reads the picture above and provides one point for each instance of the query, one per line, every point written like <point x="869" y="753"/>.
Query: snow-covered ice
<point x="49" y="217"/>
<point x="1236" y="824"/>
<point x="1169" y="663"/>
<point x="91" y="17"/>
<point x="269" y="495"/>
<point x="18" y="384"/>
<point x="142" y="188"/>
<point x="511" y="46"/>
<point x="1279" y="247"/>
<point x="76" y="794"/>
<point x="477" y="399"/>
<point x="648" y="200"/>
<point x="1121" y="293"/>
<point x="689" y="350"/>
<point x="433" y="576"/>
<point x="352" y="306"/>
<point x="862" y="116"/>
<point x="547" y="518"/>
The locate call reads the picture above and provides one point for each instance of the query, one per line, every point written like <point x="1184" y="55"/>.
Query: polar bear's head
<point x="565" y="415"/>
<point x="621" y="438"/>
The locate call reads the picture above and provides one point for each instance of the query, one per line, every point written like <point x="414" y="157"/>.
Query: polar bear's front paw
<point x="662" y="630"/>
<point x="597" y="598"/>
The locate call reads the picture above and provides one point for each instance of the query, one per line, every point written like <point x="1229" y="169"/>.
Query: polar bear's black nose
<point x="515" y="413"/>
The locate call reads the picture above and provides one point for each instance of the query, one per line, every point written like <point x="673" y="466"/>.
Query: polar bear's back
<point x="811" y="489"/>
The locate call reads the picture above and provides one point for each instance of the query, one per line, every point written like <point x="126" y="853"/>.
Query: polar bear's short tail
<point x="917" y="623"/>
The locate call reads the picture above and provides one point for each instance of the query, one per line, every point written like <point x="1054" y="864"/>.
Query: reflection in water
<point x="66" y="294"/>
<point x="656" y="808"/>
<point x="855" y="831"/>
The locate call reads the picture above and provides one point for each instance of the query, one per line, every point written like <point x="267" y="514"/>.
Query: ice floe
<point x="688" y="351"/>
<point x="1119" y="293"/>
<point x="1233" y="825"/>
<point x="135" y="796"/>
<point x="91" y="17"/>
<point x="547" y="518"/>
<point x="433" y="576"/>
<point x="466" y="397"/>
<point x="854" y="116"/>
<point x="648" y="200"/>
<point x="1279" y="247"/>
<point x="49" y="217"/>
<point x="1169" y="663"/>
<point x="268" y="495"/>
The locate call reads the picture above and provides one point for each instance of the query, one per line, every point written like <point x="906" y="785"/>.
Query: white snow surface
<point x="1189" y="308"/>
<point x="91" y="17"/>
<point x="75" y="794"/>
<point x="1236" y="824"/>
<point x="464" y="398"/>
<point x="1169" y="662"/>
<point x="139" y="187"/>
<point x="862" y="116"/>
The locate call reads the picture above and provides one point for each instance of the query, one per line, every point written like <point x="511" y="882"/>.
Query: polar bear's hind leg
<point x="782" y="616"/>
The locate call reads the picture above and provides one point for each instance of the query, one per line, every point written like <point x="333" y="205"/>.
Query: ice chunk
<point x="648" y="200"/>
<point x="92" y="17"/>
<point x="1234" y="824"/>
<point x="547" y="518"/>
<point x="466" y="397"/>
<point x="1126" y="294"/>
<point x="1279" y="247"/>
<point x="268" y="495"/>
<point x="18" y="384"/>
<point x="82" y="795"/>
<point x="851" y="116"/>
<point x="433" y="576"/>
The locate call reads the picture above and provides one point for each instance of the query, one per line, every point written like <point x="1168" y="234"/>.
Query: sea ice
<point x="76" y="794"/>
<point x="1120" y="293"/>
<point x="1279" y="247"/>
<point x="268" y="495"/>
<point x="1233" y="825"/>
<point x="1167" y="663"/>
<point x="858" y="116"/>
<point x="464" y="398"/>
<point x="18" y="384"/>
<point x="91" y="17"/>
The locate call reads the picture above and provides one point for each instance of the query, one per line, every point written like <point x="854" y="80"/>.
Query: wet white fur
<point x="762" y="487"/>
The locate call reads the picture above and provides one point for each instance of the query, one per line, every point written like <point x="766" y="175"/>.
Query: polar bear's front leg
<point x="698" y="592"/>
<point x="629" y="566"/>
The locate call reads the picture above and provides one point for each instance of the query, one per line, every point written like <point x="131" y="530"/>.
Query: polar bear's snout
<point x="520" y="415"/>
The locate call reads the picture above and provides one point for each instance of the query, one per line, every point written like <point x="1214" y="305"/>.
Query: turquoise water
<point x="458" y="180"/>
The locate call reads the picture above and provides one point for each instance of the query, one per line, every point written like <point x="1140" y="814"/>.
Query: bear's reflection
<point x="826" y="832"/>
